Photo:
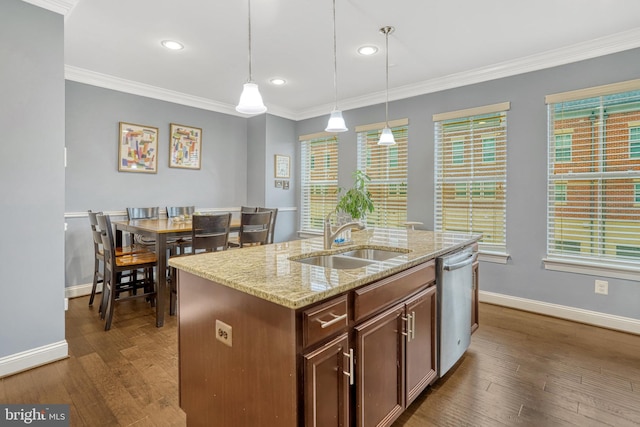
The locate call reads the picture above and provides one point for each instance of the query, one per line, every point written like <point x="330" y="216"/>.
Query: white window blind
<point x="593" y="210"/>
<point x="387" y="167"/>
<point x="471" y="173"/>
<point x="319" y="179"/>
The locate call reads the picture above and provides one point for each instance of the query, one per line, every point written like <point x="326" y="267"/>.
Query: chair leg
<point x="108" y="310"/>
<point x="96" y="280"/>
<point x="173" y="292"/>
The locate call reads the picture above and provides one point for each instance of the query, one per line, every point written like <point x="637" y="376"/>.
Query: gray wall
<point x="31" y="178"/>
<point x="524" y="276"/>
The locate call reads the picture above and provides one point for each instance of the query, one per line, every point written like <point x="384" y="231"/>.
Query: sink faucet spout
<point x="330" y="234"/>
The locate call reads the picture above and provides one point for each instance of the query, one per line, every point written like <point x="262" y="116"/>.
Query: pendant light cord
<point x="386" y="105"/>
<point x="250" y="75"/>
<point x="335" y="59"/>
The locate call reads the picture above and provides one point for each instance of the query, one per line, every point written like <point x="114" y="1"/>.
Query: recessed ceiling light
<point x="173" y="45"/>
<point x="278" y="81"/>
<point x="367" y="50"/>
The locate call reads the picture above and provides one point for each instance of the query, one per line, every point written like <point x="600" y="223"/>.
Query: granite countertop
<point x="268" y="273"/>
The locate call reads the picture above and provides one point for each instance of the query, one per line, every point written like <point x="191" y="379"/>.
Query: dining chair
<point x="98" y="253"/>
<point x="115" y="285"/>
<point x="272" y="224"/>
<point x="181" y="244"/>
<point x="254" y="228"/>
<point x="234" y="242"/>
<point x="143" y="213"/>
<point x="209" y="233"/>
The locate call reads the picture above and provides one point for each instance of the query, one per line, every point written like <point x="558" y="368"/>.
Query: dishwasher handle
<point x="457" y="265"/>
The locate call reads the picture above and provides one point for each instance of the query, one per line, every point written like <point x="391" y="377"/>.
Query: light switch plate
<point x="602" y="287"/>
<point x="224" y="333"/>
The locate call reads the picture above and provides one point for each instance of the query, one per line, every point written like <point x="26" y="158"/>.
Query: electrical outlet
<point x="602" y="287"/>
<point x="223" y="333"/>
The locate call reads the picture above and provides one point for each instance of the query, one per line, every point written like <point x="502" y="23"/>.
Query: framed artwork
<point x="137" y="148"/>
<point x="282" y="166"/>
<point x="185" y="147"/>
<point x="285" y="185"/>
<point x="278" y="183"/>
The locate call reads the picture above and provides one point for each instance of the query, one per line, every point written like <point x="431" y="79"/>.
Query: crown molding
<point x="63" y="7"/>
<point x="586" y="50"/>
<point x="578" y="52"/>
<point x="106" y="81"/>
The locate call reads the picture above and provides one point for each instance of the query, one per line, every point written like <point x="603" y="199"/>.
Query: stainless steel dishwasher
<point x="454" y="281"/>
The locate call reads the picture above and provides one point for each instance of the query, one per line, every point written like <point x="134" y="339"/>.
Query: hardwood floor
<point x="521" y="369"/>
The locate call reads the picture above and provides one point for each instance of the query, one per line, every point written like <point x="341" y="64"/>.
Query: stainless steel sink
<point x="334" y="261"/>
<point x="374" y="254"/>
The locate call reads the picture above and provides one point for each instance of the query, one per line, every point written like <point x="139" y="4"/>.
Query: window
<point x="560" y="192"/>
<point x="470" y="193"/>
<point x="457" y="151"/>
<point x="598" y="183"/>
<point x="489" y="149"/>
<point x="387" y="168"/>
<point x="634" y="142"/>
<point x="318" y="180"/>
<point x="563" y="147"/>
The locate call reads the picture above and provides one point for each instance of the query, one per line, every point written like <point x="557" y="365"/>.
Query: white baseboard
<point x="80" y="290"/>
<point x="18" y="362"/>
<point x="603" y="320"/>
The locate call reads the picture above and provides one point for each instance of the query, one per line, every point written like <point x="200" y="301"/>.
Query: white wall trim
<point x="83" y="214"/>
<point x="63" y="7"/>
<point x="603" y="320"/>
<point x="586" y="50"/>
<point x="18" y="362"/>
<point x="80" y="290"/>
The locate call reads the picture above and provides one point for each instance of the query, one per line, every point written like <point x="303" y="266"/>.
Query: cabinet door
<point x="380" y="365"/>
<point x="326" y="401"/>
<point x="474" y="297"/>
<point x="421" y="342"/>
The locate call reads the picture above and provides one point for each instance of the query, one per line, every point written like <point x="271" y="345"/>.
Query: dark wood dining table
<point x="160" y="230"/>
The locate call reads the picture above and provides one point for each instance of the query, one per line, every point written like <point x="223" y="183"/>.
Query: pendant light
<point x="250" y="99"/>
<point x="336" y="121"/>
<point x="386" y="137"/>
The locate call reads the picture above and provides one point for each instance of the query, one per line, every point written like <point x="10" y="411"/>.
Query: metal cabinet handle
<point x="409" y="334"/>
<point x="350" y="373"/>
<point x="413" y="325"/>
<point x="336" y="319"/>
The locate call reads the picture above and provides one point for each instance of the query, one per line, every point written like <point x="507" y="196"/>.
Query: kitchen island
<point x="267" y="340"/>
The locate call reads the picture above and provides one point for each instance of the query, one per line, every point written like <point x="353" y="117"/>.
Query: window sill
<point x="627" y="273"/>
<point x="496" y="257"/>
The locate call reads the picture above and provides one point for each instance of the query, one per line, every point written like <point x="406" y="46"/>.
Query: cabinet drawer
<point x="324" y="320"/>
<point x="373" y="297"/>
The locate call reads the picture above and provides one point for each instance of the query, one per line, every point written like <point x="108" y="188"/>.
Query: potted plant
<point x="356" y="201"/>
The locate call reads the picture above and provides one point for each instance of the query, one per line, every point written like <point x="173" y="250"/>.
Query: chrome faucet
<point x="330" y="235"/>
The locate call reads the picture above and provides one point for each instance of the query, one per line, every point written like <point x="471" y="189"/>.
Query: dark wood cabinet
<point x="326" y="387"/>
<point x="380" y="368"/>
<point x="421" y="354"/>
<point x="356" y="359"/>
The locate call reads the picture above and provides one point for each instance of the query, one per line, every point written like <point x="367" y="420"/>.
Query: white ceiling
<point x="436" y="45"/>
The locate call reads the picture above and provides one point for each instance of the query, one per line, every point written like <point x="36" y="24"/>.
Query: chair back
<point x="174" y="211"/>
<point x="210" y="232"/>
<point x="106" y="233"/>
<point x="272" y="224"/>
<point x="95" y="230"/>
<point x="248" y="209"/>
<point x="143" y="213"/>
<point x="254" y="228"/>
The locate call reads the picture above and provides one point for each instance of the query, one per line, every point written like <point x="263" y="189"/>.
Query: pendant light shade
<point x="250" y="99"/>
<point x="336" y="121"/>
<point x="386" y="137"/>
